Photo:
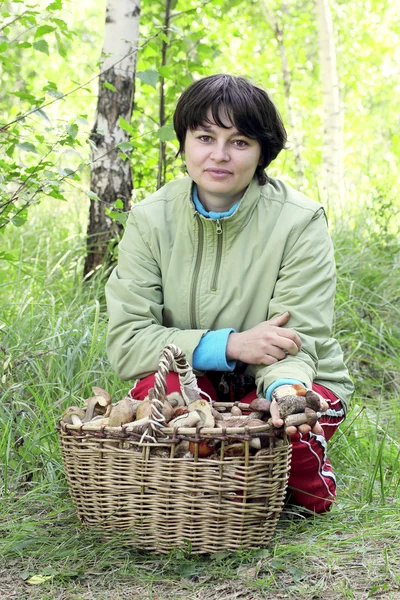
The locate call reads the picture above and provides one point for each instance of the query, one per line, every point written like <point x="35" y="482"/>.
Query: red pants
<point x="311" y="481"/>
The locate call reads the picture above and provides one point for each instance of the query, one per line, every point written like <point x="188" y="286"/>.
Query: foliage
<point x="41" y="150"/>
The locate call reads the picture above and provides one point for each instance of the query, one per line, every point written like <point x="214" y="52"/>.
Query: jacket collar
<point x="243" y="212"/>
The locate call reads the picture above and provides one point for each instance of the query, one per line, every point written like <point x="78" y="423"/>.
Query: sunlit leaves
<point x="166" y="133"/>
<point x="150" y="77"/>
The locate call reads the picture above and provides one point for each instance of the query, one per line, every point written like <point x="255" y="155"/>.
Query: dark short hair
<point x="248" y="107"/>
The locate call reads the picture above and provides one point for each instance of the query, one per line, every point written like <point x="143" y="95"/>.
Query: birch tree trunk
<point x="287" y="83"/>
<point x="111" y="177"/>
<point x="332" y="185"/>
<point x="162" y="159"/>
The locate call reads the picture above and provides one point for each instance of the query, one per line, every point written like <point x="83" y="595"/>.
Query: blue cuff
<point x="277" y="383"/>
<point x="210" y="353"/>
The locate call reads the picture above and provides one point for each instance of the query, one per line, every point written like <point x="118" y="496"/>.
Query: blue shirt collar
<point x="212" y="214"/>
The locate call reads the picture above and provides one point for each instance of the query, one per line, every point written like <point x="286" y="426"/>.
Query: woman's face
<point x="222" y="162"/>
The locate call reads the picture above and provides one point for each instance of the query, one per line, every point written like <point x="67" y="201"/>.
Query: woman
<point x="236" y="269"/>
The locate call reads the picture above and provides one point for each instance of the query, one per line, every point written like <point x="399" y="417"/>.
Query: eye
<point x="204" y="138"/>
<point x="240" y="143"/>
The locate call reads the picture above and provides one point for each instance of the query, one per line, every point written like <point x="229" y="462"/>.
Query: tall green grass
<point x="52" y="350"/>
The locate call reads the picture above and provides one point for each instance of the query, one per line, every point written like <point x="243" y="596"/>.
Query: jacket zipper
<point x="218" y="257"/>
<point x="196" y="274"/>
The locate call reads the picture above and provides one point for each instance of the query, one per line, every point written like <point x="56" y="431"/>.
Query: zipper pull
<point x="219" y="226"/>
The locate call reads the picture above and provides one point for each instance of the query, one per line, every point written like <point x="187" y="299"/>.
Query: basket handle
<point x="171" y="356"/>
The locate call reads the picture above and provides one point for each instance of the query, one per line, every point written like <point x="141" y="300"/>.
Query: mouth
<point x="218" y="172"/>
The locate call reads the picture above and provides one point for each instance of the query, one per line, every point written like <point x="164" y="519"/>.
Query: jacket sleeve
<point x="136" y="335"/>
<point x="306" y="288"/>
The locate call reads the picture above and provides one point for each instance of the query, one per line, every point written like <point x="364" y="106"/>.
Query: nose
<point x="220" y="153"/>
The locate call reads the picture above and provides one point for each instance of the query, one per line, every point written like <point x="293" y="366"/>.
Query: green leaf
<point x="7" y="256"/>
<point x="150" y="77"/>
<point x="165" y="38"/>
<point x="42" y="46"/>
<point x="125" y="125"/>
<point x="117" y="216"/>
<point x="24" y="96"/>
<point x="10" y="150"/>
<point x="56" y="5"/>
<point x="166" y="133"/>
<point x="42" y="114"/>
<point x="43" y="30"/>
<point x="60" y="23"/>
<point x="165" y="72"/>
<point x="109" y="86"/>
<point x="119" y="203"/>
<point x="125" y="146"/>
<point x="25" y="45"/>
<point x="38" y="579"/>
<point x="27" y="147"/>
<point x="60" y="47"/>
<point x="92" y="195"/>
<point x="73" y="130"/>
<point x="20" y="218"/>
<point x="3" y="46"/>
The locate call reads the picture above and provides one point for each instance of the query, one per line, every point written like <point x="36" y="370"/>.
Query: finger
<point x="317" y="429"/>
<point x="280" y="319"/>
<point x="290" y="335"/>
<point x="304" y="429"/>
<point x="291" y="430"/>
<point x="286" y="344"/>
<point x="277" y="421"/>
<point x="275" y="352"/>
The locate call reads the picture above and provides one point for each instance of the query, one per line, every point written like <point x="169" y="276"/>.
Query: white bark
<point x="111" y="177"/>
<point x="332" y="185"/>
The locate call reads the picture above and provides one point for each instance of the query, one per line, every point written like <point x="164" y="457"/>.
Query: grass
<point x="52" y="350"/>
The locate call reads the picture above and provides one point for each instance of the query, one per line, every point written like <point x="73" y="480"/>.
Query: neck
<point x="218" y="203"/>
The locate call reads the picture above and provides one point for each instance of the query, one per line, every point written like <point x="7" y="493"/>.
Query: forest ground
<point x="52" y="351"/>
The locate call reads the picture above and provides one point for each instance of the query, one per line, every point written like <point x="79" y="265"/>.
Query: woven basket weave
<point x="122" y="482"/>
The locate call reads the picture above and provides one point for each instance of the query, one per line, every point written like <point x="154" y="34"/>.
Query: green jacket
<point x="180" y="275"/>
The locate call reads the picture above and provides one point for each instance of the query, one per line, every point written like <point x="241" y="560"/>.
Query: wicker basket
<point x="121" y="481"/>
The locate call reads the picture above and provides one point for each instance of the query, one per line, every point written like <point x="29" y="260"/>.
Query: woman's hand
<point x="264" y="344"/>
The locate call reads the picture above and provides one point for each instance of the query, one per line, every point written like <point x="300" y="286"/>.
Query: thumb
<point x="280" y="319"/>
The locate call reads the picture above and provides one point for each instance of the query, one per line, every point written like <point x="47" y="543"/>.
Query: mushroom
<point x="97" y="391"/>
<point x="97" y="405"/>
<point x="189" y="420"/>
<point x="145" y="410"/>
<point x="176" y="399"/>
<point x="180" y="410"/>
<point x="295" y="389"/>
<point x="204" y="409"/>
<point x="137" y="426"/>
<point x="181" y="449"/>
<point x="236" y="449"/>
<point x="260" y="405"/>
<point x="309" y="417"/>
<point x="313" y="401"/>
<point x="73" y="415"/>
<point x="122" y="412"/>
<point x="204" y="448"/>
<point x="216" y="414"/>
<point x="289" y="405"/>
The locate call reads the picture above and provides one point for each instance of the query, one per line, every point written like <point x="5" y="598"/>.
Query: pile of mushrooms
<point x="296" y="404"/>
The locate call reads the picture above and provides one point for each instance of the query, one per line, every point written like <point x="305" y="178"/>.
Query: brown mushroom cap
<point x="71" y="412"/>
<point x="121" y="413"/>
<point x="260" y="405"/>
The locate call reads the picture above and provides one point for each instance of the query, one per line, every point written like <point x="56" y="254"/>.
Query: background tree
<point x="111" y="175"/>
<point x="332" y="183"/>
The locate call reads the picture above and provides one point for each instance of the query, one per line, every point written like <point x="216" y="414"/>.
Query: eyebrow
<point x="211" y="129"/>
